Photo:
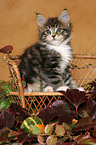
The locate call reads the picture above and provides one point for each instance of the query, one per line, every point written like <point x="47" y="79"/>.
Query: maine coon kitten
<point x="46" y="64"/>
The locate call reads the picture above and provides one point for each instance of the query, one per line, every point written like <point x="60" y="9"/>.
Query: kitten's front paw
<point x="48" y="89"/>
<point x="63" y="88"/>
<point x="81" y="89"/>
<point x="28" y="89"/>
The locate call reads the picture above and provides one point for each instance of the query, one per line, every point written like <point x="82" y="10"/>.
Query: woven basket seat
<point x="83" y="70"/>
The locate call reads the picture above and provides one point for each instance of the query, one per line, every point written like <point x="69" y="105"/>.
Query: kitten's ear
<point x="64" y="17"/>
<point x="41" y="20"/>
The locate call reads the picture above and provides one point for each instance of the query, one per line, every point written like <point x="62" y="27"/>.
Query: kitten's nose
<point x="53" y="36"/>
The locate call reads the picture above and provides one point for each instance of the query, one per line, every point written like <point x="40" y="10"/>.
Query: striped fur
<point x="47" y="63"/>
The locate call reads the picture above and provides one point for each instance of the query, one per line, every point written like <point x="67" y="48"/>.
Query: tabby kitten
<point x="46" y="64"/>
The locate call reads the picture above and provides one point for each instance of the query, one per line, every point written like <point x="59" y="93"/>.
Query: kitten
<point x="46" y="64"/>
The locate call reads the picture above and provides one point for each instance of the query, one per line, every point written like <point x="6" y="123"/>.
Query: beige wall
<point x="18" y="25"/>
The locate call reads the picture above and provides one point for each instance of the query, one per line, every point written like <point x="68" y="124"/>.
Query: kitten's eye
<point x="48" y="31"/>
<point x="58" y="30"/>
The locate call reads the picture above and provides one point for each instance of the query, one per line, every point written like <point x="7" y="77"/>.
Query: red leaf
<point x="94" y="132"/>
<point x="93" y="84"/>
<point x="93" y="113"/>
<point x="20" y="113"/>
<point x="7" y="119"/>
<point x="84" y="124"/>
<point x="66" y="143"/>
<point x="75" y="96"/>
<point x="3" y="134"/>
<point x="23" y="136"/>
<point x="87" y="108"/>
<point x="93" y="91"/>
<point x="6" y="49"/>
<point x="58" y="109"/>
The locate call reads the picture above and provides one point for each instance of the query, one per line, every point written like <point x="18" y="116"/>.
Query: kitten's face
<point x="54" y="30"/>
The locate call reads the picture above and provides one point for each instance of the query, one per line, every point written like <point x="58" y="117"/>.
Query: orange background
<point x="18" y="26"/>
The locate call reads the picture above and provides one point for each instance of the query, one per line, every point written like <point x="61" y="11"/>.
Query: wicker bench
<point x="83" y="70"/>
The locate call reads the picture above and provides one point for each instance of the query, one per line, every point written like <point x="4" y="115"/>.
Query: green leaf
<point x="51" y="140"/>
<point x="85" y="114"/>
<point x="86" y="139"/>
<point x="7" y="88"/>
<point x="49" y="128"/>
<point x="35" y="130"/>
<point x="4" y="105"/>
<point x="60" y="131"/>
<point x="67" y="128"/>
<point x="40" y="139"/>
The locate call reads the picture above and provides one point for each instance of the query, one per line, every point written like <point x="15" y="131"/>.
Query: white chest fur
<point x="65" y="51"/>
